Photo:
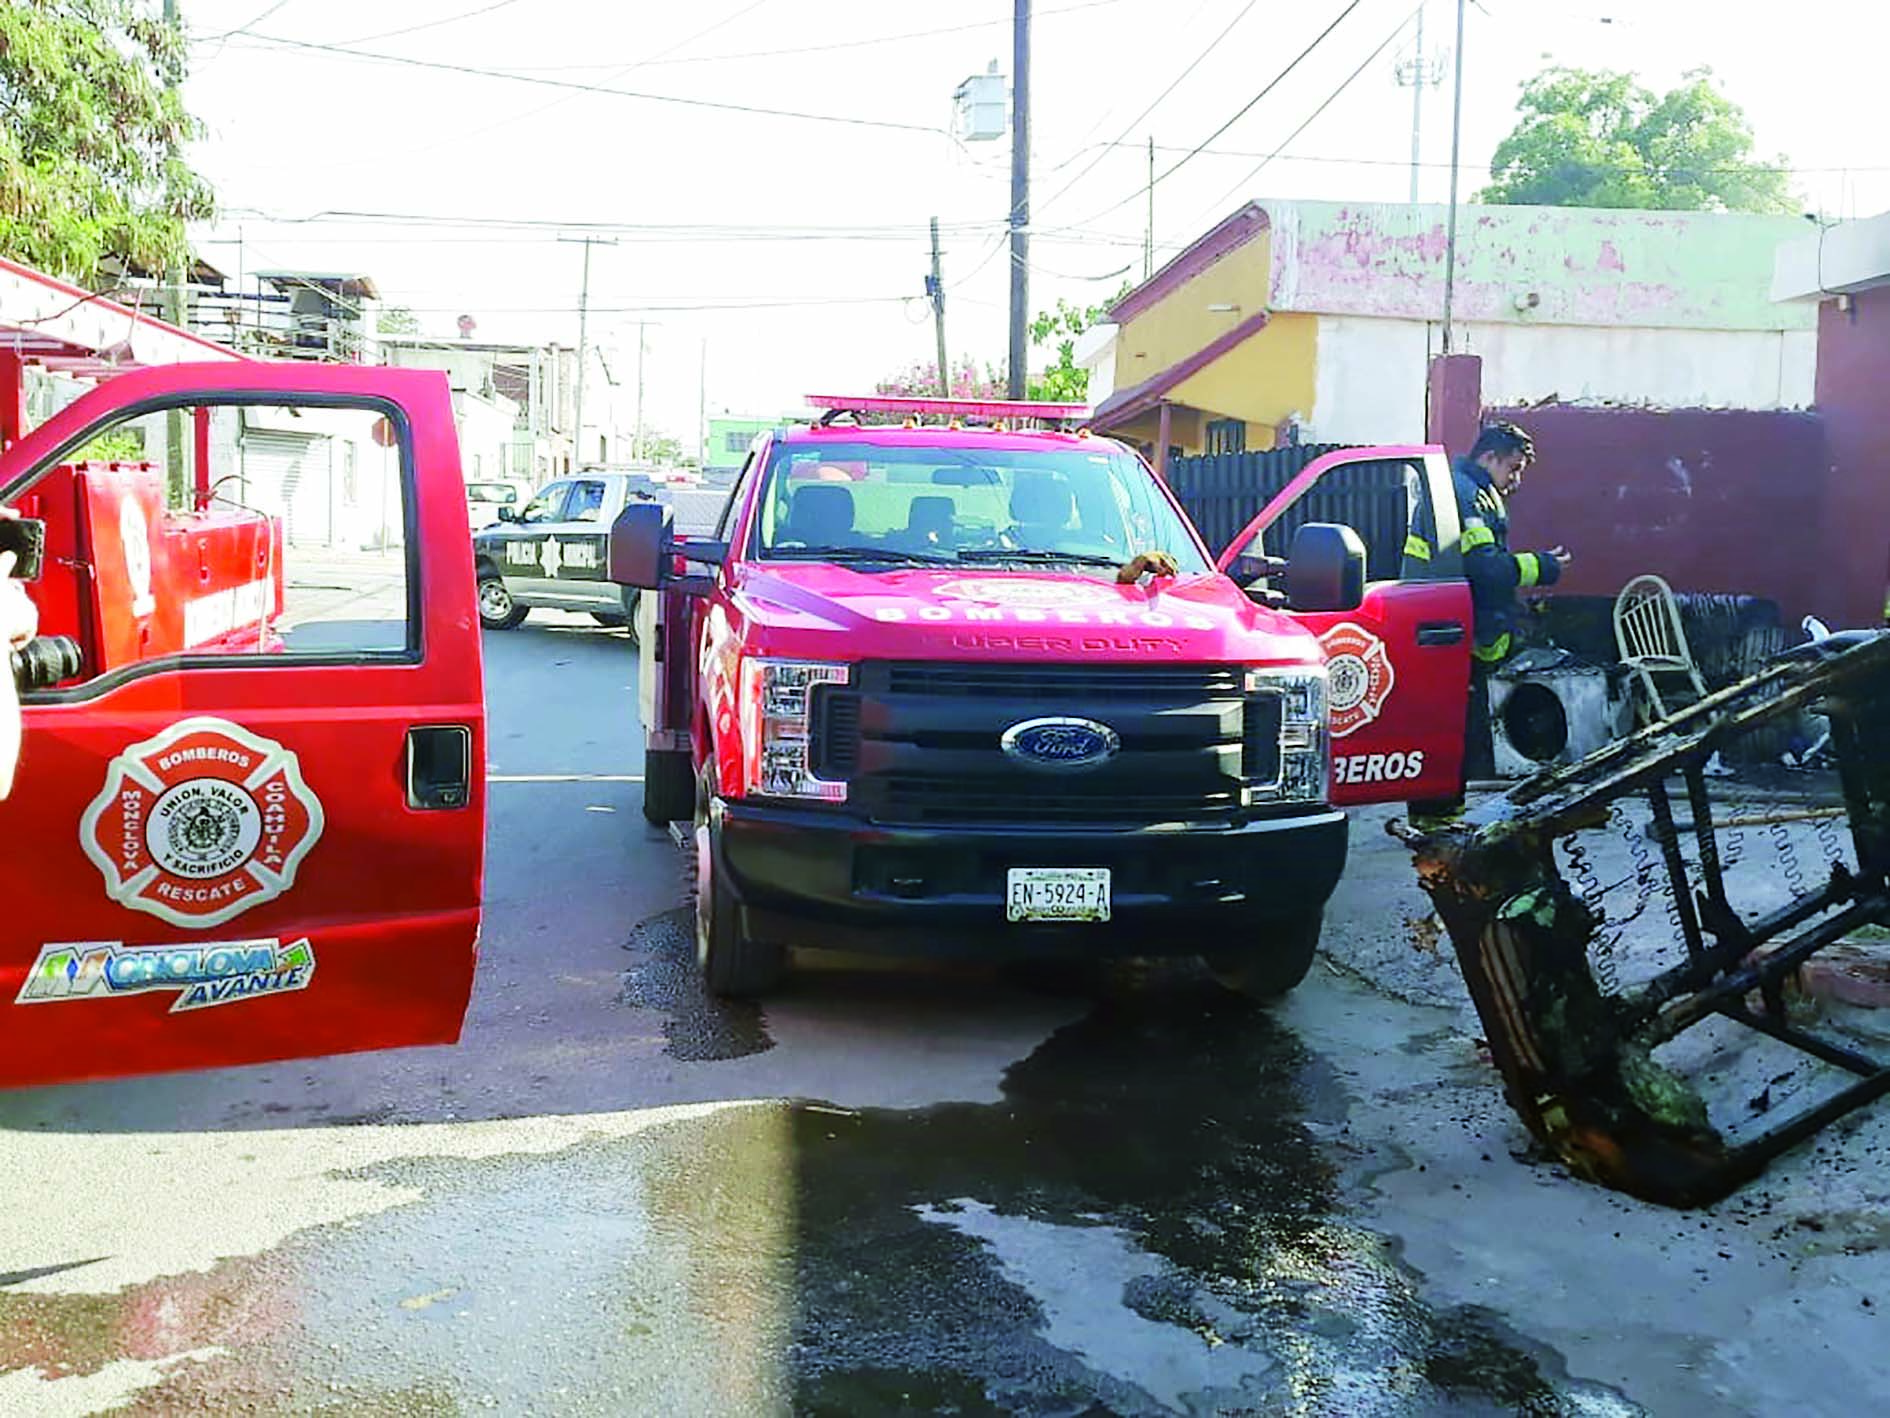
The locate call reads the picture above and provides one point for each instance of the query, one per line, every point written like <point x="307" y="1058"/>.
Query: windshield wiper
<point x="861" y="556"/>
<point x="1038" y="556"/>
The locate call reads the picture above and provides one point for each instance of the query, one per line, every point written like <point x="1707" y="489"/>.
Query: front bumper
<point x="808" y="877"/>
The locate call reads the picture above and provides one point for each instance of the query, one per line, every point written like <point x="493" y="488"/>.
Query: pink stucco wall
<point x="1712" y="500"/>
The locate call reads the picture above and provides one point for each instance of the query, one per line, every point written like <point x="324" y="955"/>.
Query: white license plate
<point x="1057" y="893"/>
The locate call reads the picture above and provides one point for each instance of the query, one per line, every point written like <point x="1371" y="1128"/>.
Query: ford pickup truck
<point x="933" y="690"/>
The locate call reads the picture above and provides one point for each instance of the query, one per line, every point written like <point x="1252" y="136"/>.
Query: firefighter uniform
<point x="1494" y="571"/>
<point x="1495" y="574"/>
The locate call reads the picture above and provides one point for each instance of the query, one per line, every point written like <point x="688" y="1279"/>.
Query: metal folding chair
<point x="1652" y="643"/>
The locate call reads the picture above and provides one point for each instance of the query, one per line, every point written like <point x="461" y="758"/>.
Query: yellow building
<point x="1201" y="364"/>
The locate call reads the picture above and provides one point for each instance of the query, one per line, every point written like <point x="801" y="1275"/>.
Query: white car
<point x="485" y="497"/>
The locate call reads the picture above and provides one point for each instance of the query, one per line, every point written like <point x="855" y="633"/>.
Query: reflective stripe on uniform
<point x="1528" y="568"/>
<point x="1417" y="548"/>
<point x="1495" y="652"/>
<point x="1477" y="535"/>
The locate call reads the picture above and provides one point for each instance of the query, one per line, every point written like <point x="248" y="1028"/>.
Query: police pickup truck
<point x="550" y="554"/>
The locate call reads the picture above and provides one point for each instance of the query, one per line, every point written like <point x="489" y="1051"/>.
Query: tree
<point x="1600" y="139"/>
<point x="90" y="149"/>
<point x="663" y="449"/>
<point x="967" y="381"/>
<point x="397" y="320"/>
<point x="1066" y="381"/>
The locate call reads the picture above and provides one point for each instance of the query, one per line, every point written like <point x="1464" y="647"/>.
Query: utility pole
<point x="1020" y="199"/>
<point x="1418" y="75"/>
<point x="935" y="287"/>
<point x="174" y="298"/>
<point x="1148" y="243"/>
<point x="702" y="408"/>
<point x="636" y="439"/>
<point x="584" y="345"/>
<point x="1456" y="148"/>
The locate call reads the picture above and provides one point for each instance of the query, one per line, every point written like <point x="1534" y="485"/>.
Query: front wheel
<point x="497" y="609"/>
<point x="1274" y="959"/>
<point x="734" y="965"/>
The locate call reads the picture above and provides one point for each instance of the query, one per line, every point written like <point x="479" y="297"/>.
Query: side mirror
<point x="1326" y="571"/>
<point x="640" y="546"/>
<point x="506" y="514"/>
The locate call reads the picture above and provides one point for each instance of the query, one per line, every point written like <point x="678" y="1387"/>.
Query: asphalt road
<point x="888" y="1191"/>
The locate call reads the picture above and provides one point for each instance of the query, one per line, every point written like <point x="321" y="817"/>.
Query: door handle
<point x="439" y="767"/>
<point x="1440" y="632"/>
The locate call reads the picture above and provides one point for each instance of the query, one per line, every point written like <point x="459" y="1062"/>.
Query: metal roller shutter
<point x="288" y="476"/>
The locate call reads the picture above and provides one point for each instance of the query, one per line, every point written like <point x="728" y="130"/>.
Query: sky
<point x="766" y="169"/>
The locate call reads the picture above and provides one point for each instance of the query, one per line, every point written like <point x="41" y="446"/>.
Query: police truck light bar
<point x="947" y="409"/>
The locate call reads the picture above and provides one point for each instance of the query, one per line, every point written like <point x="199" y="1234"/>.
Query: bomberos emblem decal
<point x="1359" y="678"/>
<point x="201" y="823"/>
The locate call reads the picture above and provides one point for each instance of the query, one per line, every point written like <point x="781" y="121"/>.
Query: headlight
<point x="1285" y="745"/>
<point x="777" y="702"/>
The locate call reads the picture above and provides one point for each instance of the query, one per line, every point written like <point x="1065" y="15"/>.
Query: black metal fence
<point x="1223" y="491"/>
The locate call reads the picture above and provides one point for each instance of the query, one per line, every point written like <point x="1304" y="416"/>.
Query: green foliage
<point x="124" y="444"/>
<point x="1065" y="381"/>
<point x="397" y="320"/>
<point x="661" y="448"/>
<point x="1599" y="139"/>
<point x="91" y="138"/>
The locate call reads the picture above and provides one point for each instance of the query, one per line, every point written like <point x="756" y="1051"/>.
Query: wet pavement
<point x="886" y="1191"/>
<point x="1142" y="1224"/>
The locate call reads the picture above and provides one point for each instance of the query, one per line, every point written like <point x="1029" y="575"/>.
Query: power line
<point x="244" y="27"/>
<point x="900" y="231"/>
<point x="1129" y="128"/>
<point x="700" y="307"/>
<point x="1439" y="163"/>
<point x="837" y="45"/>
<point x="428" y="25"/>
<point x="573" y="86"/>
<point x="613" y="76"/>
<point x="1329" y="100"/>
<point x="1239" y="114"/>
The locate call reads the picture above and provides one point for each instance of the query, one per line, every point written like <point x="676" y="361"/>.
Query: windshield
<point x="863" y="503"/>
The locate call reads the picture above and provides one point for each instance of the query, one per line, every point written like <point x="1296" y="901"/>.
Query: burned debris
<point x="1575" y="1044"/>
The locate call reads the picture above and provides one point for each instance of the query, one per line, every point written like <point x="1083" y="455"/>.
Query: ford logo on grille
<point x="1062" y="745"/>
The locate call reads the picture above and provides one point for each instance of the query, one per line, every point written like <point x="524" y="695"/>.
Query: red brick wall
<point x="1854" y="398"/>
<point x="1713" y="500"/>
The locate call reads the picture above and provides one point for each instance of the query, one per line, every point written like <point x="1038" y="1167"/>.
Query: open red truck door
<point x="1400" y="662"/>
<point x="251" y="826"/>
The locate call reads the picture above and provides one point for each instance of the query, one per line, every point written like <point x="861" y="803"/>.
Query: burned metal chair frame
<point x="1577" y="1062"/>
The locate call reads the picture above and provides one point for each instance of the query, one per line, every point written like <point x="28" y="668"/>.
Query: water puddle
<point x="699" y="1027"/>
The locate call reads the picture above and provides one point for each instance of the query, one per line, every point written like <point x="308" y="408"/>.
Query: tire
<point x="623" y="619"/>
<point x="669" y="786"/>
<point x="497" y="609"/>
<point x="1282" y="954"/>
<point x="734" y="965"/>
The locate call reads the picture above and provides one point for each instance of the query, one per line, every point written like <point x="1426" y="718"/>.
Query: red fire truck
<point x="919" y="694"/>
<point x="248" y="822"/>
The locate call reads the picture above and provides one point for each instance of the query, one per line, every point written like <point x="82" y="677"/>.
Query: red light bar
<point x="946" y="408"/>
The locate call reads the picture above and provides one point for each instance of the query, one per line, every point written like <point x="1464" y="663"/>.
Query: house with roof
<point x="1317" y="321"/>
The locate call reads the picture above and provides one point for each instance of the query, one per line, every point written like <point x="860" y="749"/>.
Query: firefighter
<point x="1485" y="479"/>
<point x="19" y="622"/>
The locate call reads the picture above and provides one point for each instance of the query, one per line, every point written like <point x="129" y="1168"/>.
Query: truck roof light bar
<point x="944" y="410"/>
